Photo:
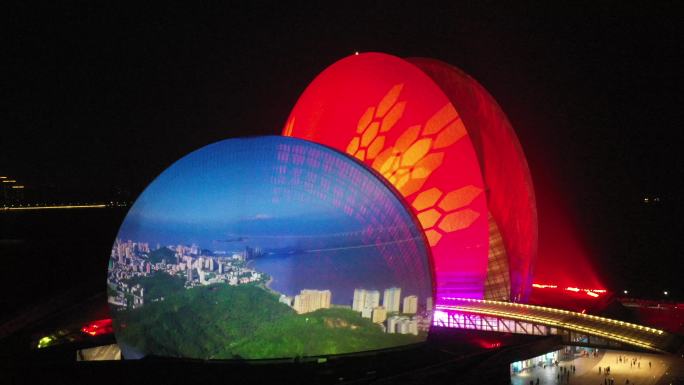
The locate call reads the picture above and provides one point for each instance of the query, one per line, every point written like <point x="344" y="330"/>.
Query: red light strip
<point x="590" y="292"/>
<point x="543" y="286"/>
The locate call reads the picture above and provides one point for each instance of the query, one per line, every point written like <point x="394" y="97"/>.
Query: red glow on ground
<point x="487" y="343"/>
<point x="99" y="327"/>
<point x="664" y="315"/>
<point x="564" y="259"/>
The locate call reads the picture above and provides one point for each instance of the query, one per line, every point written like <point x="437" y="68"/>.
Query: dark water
<point x="340" y="271"/>
<point x="46" y="253"/>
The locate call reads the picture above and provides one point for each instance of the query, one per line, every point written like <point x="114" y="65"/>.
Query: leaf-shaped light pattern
<point x="420" y="145"/>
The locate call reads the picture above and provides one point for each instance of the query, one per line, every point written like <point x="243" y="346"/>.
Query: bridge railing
<point x="508" y="317"/>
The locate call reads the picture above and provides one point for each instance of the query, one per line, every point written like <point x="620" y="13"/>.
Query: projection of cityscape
<point x="268" y="247"/>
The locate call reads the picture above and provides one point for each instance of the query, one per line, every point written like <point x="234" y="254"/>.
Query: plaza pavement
<point x="664" y="369"/>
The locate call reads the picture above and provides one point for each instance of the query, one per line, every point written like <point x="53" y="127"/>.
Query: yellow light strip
<point x="9" y="181"/>
<point x="550" y="309"/>
<point x="18" y="186"/>
<point x="552" y="322"/>
<point x="54" y="207"/>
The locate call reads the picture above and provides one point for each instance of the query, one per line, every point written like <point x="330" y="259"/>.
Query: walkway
<point x="587" y="370"/>
<point x="491" y="315"/>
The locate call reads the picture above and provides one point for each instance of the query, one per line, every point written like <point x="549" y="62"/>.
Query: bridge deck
<point x="624" y="332"/>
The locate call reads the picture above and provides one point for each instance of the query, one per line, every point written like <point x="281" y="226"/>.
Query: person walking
<point x="599" y="370"/>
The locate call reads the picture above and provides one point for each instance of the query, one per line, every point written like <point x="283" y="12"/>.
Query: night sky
<point x="98" y="101"/>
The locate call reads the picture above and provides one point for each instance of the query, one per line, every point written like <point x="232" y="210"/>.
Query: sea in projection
<point x="265" y="248"/>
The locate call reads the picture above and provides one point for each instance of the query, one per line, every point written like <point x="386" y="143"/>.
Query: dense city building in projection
<point x="268" y="247"/>
<point x="443" y="142"/>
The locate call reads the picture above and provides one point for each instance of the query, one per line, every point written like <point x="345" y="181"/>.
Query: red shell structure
<point x="510" y="193"/>
<point x="446" y="146"/>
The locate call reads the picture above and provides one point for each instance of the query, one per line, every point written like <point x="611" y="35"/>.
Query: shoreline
<point x="267" y="285"/>
<point x="268" y="288"/>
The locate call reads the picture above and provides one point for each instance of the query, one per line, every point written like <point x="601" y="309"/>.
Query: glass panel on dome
<point x="268" y="247"/>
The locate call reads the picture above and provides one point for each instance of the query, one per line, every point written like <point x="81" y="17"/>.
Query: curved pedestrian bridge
<point x="576" y="328"/>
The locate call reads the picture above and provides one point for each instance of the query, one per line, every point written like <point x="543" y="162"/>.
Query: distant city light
<point x="665" y="292"/>
<point x="9" y="181"/>
<point x="543" y="286"/>
<point x="626" y="291"/>
<point x="18" y="186"/>
<point x="356" y="52"/>
<point x="3" y="177"/>
<point x="53" y="207"/>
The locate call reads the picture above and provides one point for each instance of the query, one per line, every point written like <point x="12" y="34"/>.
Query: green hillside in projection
<point x="246" y="321"/>
<point x="162" y="254"/>
<point x="158" y="285"/>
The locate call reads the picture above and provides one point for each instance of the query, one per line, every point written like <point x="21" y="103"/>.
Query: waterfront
<point x="49" y="253"/>
<point x="341" y="271"/>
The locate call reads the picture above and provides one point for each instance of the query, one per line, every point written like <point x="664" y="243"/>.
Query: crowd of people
<point x="634" y="362"/>
<point x="566" y="372"/>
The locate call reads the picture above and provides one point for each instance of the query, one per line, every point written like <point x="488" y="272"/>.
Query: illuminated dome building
<point x="263" y="246"/>
<point x="443" y="142"/>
